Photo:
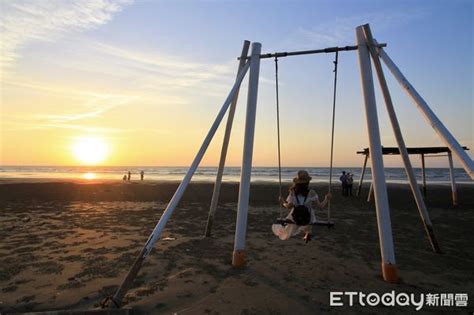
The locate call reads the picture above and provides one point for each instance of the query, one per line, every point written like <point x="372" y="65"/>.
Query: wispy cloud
<point x="177" y="71"/>
<point x="340" y="31"/>
<point x="24" y="21"/>
<point x="91" y="104"/>
<point x="155" y="76"/>
<point x="144" y="76"/>
<point x="84" y="107"/>
<point x="142" y="71"/>
<point x="12" y="123"/>
<point x="98" y="106"/>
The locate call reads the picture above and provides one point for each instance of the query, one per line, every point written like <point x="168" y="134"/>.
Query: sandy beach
<point x="67" y="245"/>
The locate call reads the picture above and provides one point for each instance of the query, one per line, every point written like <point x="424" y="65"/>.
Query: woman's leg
<point x="307" y="229"/>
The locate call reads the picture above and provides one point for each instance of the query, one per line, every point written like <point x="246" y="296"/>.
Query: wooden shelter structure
<point x="424" y="152"/>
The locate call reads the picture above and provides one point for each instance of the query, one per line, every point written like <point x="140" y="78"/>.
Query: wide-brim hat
<point x="302" y="177"/>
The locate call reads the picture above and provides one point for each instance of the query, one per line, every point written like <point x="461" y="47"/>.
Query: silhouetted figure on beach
<point x="129" y="175"/>
<point x="124" y="177"/>
<point x="343" y="180"/>
<point x="142" y="174"/>
<point x="350" y="181"/>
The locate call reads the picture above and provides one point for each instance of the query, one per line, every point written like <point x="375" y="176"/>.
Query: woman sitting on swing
<point x="299" y="201"/>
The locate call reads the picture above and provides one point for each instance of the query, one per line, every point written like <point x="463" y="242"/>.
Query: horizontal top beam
<point x="310" y="52"/>
<point x="415" y="150"/>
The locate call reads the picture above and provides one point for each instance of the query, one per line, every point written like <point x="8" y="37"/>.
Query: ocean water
<point x="231" y="174"/>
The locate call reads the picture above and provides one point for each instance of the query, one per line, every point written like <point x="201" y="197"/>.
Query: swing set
<point x="281" y="220"/>
<point x="367" y="48"/>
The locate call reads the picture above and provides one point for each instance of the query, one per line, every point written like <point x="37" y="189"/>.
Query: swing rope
<point x="278" y="135"/>
<point x="332" y="131"/>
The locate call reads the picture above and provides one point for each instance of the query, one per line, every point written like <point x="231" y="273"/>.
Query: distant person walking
<point x="343" y="180"/>
<point x="129" y="175"/>
<point x="142" y="174"/>
<point x="350" y="181"/>
<point x="124" y="177"/>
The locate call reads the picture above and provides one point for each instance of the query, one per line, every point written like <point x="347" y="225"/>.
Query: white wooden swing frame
<point x="367" y="49"/>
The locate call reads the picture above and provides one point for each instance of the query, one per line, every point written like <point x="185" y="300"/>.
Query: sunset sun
<point x="90" y="150"/>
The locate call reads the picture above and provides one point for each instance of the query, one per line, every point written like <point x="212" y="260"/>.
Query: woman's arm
<point x="324" y="202"/>
<point x="286" y="204"/>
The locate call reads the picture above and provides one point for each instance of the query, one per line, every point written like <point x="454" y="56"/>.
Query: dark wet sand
<point x="68" y="245"/>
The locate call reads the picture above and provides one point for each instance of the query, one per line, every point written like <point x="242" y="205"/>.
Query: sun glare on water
<point x="90" y="150"/>
<point x="88" y="175"/>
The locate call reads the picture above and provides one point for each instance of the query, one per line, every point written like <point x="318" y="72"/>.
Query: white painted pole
<point x="117" y="298"/>
<point x="453" y="180"/>
<point x="238" y="257"/>
<point x="225" y="146"/>
<point x="429" y="115"/>
<point x="389" y="269"/>
<point x="361" y="180"/>
<point x="425" y="218"/>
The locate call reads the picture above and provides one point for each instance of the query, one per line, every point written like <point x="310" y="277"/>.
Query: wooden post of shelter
<point x="454" y="193"/>
<point x="362" y="173"/>
<point x="423" y="173"/>
<point x="371" y="192"/>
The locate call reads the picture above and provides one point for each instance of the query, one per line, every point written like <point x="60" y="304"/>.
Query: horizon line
<point x="211" y="166"/>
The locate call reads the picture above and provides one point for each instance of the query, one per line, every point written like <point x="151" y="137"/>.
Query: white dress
<point x="289" y="230"/>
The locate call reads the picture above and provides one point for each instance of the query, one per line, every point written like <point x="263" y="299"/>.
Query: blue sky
<point x="153" y="74"/>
